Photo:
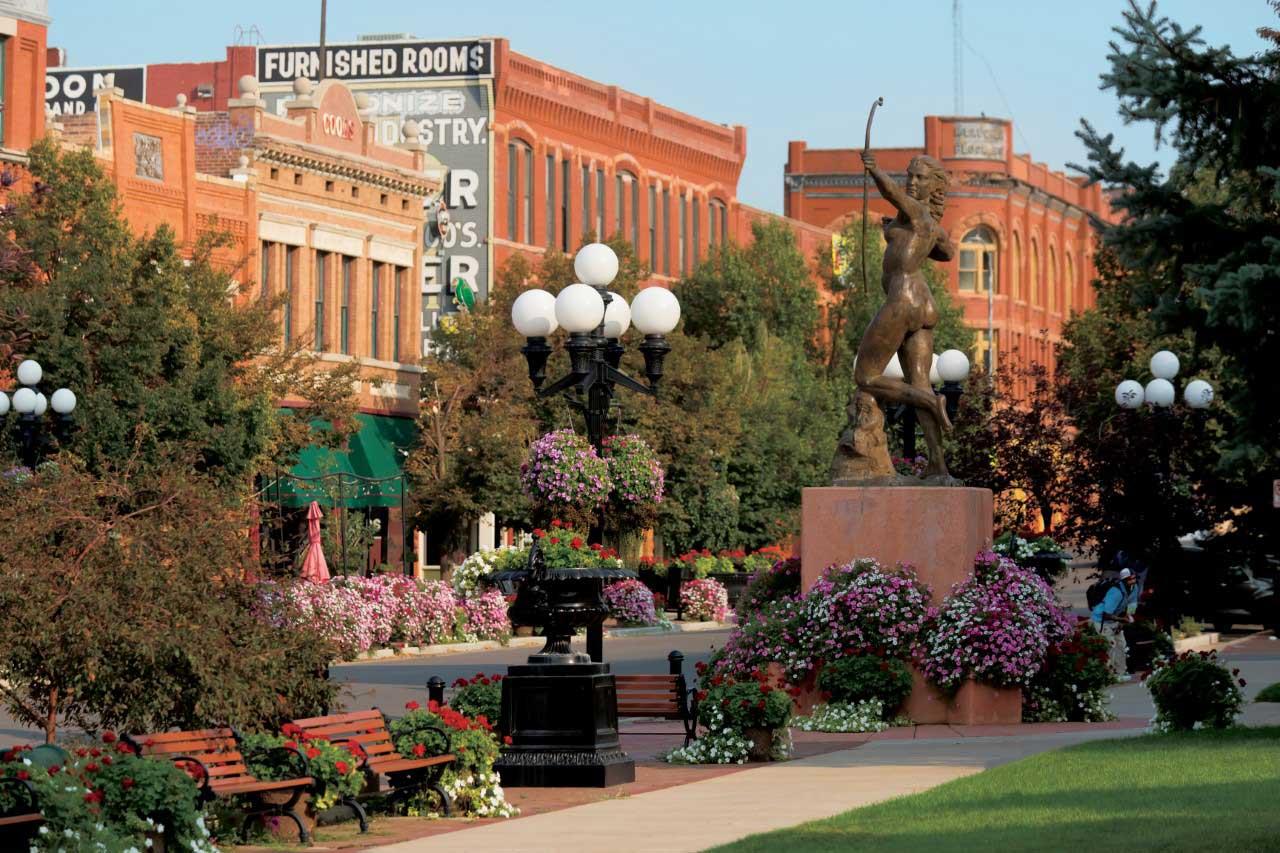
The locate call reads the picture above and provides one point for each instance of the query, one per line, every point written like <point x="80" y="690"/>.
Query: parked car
<point x="1225" y="587"/>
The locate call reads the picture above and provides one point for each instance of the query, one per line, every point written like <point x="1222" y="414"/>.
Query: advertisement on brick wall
<point x="455" y="123"/>
<point x="69" y="91"/>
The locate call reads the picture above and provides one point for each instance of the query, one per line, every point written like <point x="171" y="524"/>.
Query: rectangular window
<point x="526" y="205"/>
<point x="711" y="224"/>
<point x="586" y="199"/>
<point x="697" y="233"/>
<point x="513" y="183"/>
<point x="600" y="205"/>
<point x="724" y="225"/>
<point x="344" y="335"/>
<point x="635" y="215"/>
<point x="322" y="259"/>
<point x="264" y="280"/>
<point x="653" y="227"/>
<point x="968" y="270"/>
<point x="397" y="283"/>
<point x="286" y="319"/>
<point x="564" y="205"/>
<point x="666" y="231"/>
<point x="551" y="201"/>
<point x="375" y="302"/>
<point x="684" y="236"/>
<point x="619" y="205"/>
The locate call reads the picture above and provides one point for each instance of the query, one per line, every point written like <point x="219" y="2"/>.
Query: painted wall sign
<point x="377" y="60"/>
<point x="979" y="140"/>
<point x="69" y="91"/>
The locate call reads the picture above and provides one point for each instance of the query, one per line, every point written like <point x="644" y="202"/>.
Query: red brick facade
<point x="1039" y="244"/>
<point x="23" y="54"/>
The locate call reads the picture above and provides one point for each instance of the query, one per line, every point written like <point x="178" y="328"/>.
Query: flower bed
<point x="745" y="719"/>
<point x="844" y="717"/>
<point x="631" y="603"/>
<point x="995" y="628"/>
<point x="705" y="600"/>
<point x="1194" y="690"/>
<point x="485" y="617"/>
<point x="1071" y="685"/>
<point x="768" y="584"/>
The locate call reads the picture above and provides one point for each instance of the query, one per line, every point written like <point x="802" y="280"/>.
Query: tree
<point x="164" y="364"/>
<point x="1199" y="245"/>
<point x="125" y="603"/>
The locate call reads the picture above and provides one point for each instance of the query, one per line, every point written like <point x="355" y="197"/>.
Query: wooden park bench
<point x="405" y="776"/>
<point x="665" y="697"/>
<point x="215" y="759"/>
<point x="20" y="818"/>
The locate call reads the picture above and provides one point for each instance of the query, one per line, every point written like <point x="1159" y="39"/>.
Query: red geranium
<point x="126" y="783"/>
<point x="342" y="767"/>
<point x="24" y="775"/>
<point x="575" y="542"/>
<point x="538" y="533"/>
<point x="557" y="523"/>
<point x="506" y="739"/>
<point x="412" y="705"/>
<point x="555" y="540"/>
<point x="108" y="736"/>
<point x="312" y="752"/>
<point x="419" y="750"/>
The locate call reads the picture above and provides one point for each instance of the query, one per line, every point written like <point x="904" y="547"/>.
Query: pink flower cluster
<point x="705" y="600"/>
<point x="637" y="474"/>
<point x="630" y="601"/>
<point x="563" y="469"/>
<point x="995" y="627"/>
<point x="486" y="616"/>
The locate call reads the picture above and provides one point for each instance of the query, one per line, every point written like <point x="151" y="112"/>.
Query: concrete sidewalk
<point x="719" y="810"/>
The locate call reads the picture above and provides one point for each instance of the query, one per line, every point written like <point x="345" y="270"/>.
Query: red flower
<point x="433" y="706"/>
<point x="54" y="769"/>
<point x="124" y="748"/>
<point x="292" y="744"/>
<point x="596" y="546"/>
<point x="555" y="540"/>
<point x="23" y="775"/>
<point x="342" y="767"/>
<point x="312" y="752"/>
<point x="126" y="783"/>
<point x="106" y="759"/>
<point x="82" y="752"/>
<point x="108" y="736"/>
<point x="95" y="752"/>
<point x="290" y="730"/>
<point x="557" y="523"/>
<point x="93" y="797"/>
<point x="91" y="767"/>
<point x="412" y="705"/>
<point x="419" y="750"/>
<point x="538" y="533"/>
<point x="506" y="739"/>
<point x="484" y="681"/>
<point x="760" y="704"/>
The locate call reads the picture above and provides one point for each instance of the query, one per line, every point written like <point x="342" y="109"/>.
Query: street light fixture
<point x="948" y="370"/>
<point x="30" y="405"/>
<point x="1159" y="392"/>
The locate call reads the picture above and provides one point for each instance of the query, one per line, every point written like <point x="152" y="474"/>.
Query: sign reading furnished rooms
<point x="377" y="61"/>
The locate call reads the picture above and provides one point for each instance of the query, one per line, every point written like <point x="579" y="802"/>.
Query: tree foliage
<point x="1200" y="245"/>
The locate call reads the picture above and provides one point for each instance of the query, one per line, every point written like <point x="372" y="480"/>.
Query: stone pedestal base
<point x="937" y="531"/>
<point x="563" y="724"/>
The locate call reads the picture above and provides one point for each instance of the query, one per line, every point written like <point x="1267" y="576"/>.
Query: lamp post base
<point x="563" y="724"/>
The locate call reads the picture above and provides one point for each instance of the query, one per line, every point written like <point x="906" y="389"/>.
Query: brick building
<point x="1026" y="244"/>
<point x="23" y="40"/>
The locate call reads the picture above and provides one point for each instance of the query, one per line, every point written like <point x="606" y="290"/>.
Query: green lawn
<point x="1195" y="791"/>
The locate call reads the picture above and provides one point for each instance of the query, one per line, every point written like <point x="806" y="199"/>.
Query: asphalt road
<point x="391" y="682"/>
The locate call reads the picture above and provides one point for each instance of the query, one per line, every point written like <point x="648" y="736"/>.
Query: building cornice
<point x="303" y="157"/>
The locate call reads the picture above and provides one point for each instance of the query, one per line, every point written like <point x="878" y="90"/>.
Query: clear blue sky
<point x="805" y="71"/>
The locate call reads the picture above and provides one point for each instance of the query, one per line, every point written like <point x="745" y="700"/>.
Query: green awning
<point x="369" y="473"/>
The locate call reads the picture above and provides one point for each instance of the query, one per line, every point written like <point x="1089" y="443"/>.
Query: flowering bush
<point x="863" y="607"/>
<point x="563" y="547"/>
<point x="469" y="578"/>
<point x="867" y="678"/>
<point x="480" y="794"/>
<point x="335" y="768"/>
<point x="107" y="798"/>
<point x="565" y="477"/>
<point x="865" y="716"/>
<point x="752" y="703"/>
<point x="1032" y="553"/>
<point x="705" y="600"/>
<point x="725" y="744"/>
<point x="478" y="697"/>
<point x="486" y="617"/>
<point x="630" y="602"/>
<point x="777" y="580"/>
<point x="637" y="482"/>
<point x="1193" y="690"/>
<point x="995" y="627"/>
<point x="1071" y="685"/>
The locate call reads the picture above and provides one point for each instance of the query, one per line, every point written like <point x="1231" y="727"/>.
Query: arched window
<point x="978" y="261"/>
<point x="1034" y="283"/>
<point x="716" y="218"/>
<point x="1069" y="286"/>
<point x="519" y="192"/>
<point x="1051" y="276"/>
<point x="1015" y="274"/>
<point x="627" y="206"/>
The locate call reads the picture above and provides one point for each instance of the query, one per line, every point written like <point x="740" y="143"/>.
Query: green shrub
<point x="1192" y="690"/>
<point x="748" y="704"/>
<point x="478" y="697"/>
<point x="864" y="678"/>
<point x="1271" y="693"/>
<point x="1069" y="687"/>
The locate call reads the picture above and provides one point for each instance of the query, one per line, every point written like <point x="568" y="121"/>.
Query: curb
<point x="1199" y="641"/>
<point x="442" y="649"/>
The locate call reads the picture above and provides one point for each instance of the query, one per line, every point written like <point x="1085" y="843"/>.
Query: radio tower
<point x="957" y="45"/>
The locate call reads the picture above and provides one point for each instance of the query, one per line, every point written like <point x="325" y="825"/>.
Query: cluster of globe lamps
<point x="1159" y="392"/>
<point x="30" y="405"/>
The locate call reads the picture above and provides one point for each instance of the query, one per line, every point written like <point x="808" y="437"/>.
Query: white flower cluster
<point x="466" y="578"/>
<point x="482" y="795"/>
<point x="844" y="717"/>
<point x="720" y="745"/>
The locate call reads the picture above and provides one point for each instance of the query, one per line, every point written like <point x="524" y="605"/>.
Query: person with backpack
<point x="1111" y="606"/>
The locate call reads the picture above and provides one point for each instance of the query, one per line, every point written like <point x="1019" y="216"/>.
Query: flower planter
<point x="977" y="704"/>
<point x="761" y="741"/>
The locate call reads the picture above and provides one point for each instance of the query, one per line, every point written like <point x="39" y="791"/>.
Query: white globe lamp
<point x="1198" y="394"/>
<point x="655" y="311"/>
<point x="1159" y="392"/>
<point x="42" y="405"/>
<point x="579" y="308"/>
<point x="24" y="401"/>
<point x="935" y="378"/>
<point x="4" y="404"/>
<point x="30" y="372"/>
<point x="596" y="264"/>
<point x="1129" y="394"/>
<point x="534" y="313"/>
<point x="617" y="317"/>
<point x="953" y="366"/>
<point x="894" y="368"/>
<point x="1164" y="365"/>
<point x="63" y="401"/>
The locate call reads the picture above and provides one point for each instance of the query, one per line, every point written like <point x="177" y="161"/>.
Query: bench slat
<point x="648" y="711"/>
<point x="15" y="820"/>
<point x="644" y="694"/>
<point x="253" y="786"/>
<point x="371" y="715"/>
<point x="195" y="734"/>
<point x="644" y="679"/>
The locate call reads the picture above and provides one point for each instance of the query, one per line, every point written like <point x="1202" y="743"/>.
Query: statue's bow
<point x="879" y="102"/>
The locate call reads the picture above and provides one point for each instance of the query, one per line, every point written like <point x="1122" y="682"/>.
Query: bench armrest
<point x="25" y="792"/>
<point x="204" y="791"/>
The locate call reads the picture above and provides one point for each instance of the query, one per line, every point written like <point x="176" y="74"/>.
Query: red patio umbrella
<point x="314" y="567"/>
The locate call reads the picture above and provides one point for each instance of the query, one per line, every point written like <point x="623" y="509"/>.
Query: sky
<point x="808" y="72"/>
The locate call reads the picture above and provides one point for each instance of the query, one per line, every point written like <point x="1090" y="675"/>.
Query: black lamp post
<point x="35" y="434"/>
<point x="560" y="710"/>
<point x="948" y="370"/>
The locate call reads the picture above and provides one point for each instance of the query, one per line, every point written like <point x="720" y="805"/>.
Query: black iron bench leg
<point x="361" y="815"/>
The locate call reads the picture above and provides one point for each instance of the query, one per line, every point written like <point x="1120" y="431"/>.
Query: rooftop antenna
<point x="247" y="35"/>
<point x="957" y="42"/>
